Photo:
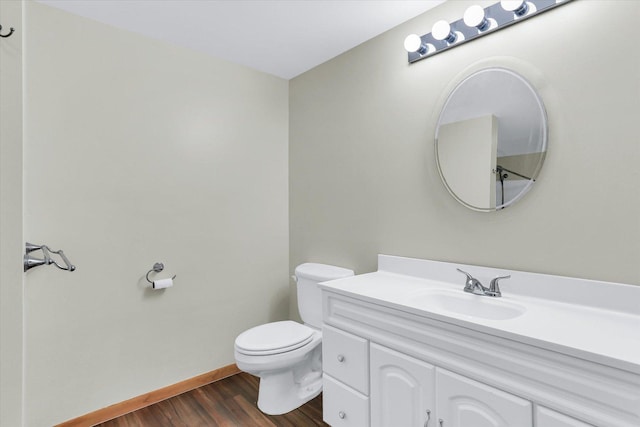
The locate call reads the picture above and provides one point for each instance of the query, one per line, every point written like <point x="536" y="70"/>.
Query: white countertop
<point x="602" y="330"/>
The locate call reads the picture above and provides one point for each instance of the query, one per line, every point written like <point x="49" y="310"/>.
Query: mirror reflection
<point x="491" y="139"/>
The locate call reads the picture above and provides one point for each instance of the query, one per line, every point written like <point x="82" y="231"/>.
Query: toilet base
<point x="280" y="393"/>
<point x="287" y="380"/>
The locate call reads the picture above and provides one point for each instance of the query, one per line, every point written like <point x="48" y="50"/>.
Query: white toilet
<point x="287" y="356"/>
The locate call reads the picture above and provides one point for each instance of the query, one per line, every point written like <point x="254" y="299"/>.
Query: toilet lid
<point x="273" y="338"/>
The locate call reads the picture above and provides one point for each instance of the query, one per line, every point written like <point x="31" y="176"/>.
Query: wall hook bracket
<point x="11" y="30"/>
<point x="30" y="261"/>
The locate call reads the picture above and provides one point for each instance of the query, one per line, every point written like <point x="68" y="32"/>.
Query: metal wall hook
<point x="11" y="30"/>
<point x="157" y="268"/>
<point x="29" y="261"/>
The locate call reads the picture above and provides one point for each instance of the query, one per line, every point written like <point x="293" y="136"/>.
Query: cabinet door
<point x="462" y="402"/>
<point x="402" y="389"/>
<point x="547" y="418"/>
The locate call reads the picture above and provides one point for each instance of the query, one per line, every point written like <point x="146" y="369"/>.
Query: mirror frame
<point x="543" y="134"/>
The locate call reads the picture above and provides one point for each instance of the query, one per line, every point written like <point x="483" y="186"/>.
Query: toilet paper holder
<point x="157" y="268"/>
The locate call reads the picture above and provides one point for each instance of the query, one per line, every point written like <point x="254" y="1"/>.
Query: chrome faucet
<point x="473" y="285"/>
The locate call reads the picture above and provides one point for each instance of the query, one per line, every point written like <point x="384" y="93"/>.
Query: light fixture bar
<point x="496" y="17"/>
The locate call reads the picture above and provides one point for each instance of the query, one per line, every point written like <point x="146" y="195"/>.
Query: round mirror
<point x="491" y="139"/>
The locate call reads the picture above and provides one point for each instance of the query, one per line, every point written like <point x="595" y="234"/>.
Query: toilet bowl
<point x="286" y="355"/>
<point x="290" y="375"/>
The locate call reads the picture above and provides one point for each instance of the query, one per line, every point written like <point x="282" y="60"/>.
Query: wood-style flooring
<point x="227" y="402"/>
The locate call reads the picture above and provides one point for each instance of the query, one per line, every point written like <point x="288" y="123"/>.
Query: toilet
<point x="287" y="355"/>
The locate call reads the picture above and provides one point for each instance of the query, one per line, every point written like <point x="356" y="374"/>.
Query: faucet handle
<point x="494" y="288"/>
<point x="472" y="284"/>
<point x="469" y="277"/>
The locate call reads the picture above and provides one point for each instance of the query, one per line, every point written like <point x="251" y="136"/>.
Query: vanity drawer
<point x="343" y="406"/>
<point x="548" y="418"/>
<point x="346" y="358"/>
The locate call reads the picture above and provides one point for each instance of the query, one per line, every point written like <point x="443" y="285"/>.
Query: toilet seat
<point x="273" y="338"/>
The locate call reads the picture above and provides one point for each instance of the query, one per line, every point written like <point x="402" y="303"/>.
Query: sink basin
<point x="467" y="304"/>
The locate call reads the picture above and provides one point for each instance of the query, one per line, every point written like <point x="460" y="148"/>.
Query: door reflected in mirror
<point x="491" y="139"/>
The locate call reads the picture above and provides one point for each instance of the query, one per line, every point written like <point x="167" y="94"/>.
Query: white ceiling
<point x="280" y="37"/>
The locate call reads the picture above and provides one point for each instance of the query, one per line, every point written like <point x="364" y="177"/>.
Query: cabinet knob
<point x="341" y="414"/>
<point x="441" y="422"/>
<point x="340" y="358"/>
<point x="426" y="423"/>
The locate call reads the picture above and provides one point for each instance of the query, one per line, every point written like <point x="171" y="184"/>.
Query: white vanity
<point x="406" y="346"/>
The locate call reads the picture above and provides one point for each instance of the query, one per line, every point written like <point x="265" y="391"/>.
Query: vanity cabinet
<point x="402" y="389"/>
<point x="385" y="367"/>
<point x="406" y="391"/>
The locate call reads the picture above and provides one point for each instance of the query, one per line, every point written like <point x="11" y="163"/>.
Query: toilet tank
<point x="308" y="275"/>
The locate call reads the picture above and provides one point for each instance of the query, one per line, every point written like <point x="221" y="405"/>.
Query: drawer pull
<point x="441" y="421"/>
<point x="426" y="423"/>
<point x="340" y="358"/>
<point x="341" y="414"/>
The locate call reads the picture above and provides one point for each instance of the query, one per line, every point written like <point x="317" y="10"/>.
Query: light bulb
<point x="442" y="31"/>
<point x="474" y="16"/>
<point x="519" y="7"/>
<point x="412" y="43"/>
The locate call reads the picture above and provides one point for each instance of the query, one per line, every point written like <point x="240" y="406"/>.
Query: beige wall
<point x="137" y="152"/>
<point x="11" y="245"/>
<point x="363" y="177"/>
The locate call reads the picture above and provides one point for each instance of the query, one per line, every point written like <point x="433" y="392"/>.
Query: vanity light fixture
<point x="476" y="22"/>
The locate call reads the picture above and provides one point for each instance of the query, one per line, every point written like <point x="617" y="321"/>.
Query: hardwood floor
<point x="227" y="402"/>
